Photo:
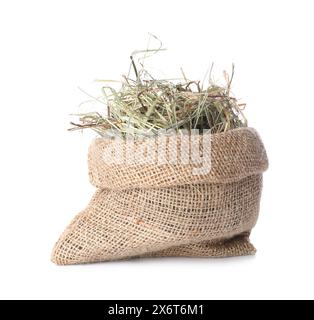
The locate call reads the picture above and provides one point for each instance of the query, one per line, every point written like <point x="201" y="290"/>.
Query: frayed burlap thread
<point x="151" y="210"/>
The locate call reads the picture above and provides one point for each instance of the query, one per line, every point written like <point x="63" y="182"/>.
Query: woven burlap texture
<point x="151" y="209"/>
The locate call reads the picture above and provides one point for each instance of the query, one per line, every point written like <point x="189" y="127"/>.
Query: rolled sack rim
<point x="234" y="155"/>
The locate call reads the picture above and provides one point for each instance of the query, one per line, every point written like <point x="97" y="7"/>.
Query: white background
<point x="49" y="48"/>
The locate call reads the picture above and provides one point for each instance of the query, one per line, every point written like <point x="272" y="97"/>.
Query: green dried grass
<point x="145" y="105"/>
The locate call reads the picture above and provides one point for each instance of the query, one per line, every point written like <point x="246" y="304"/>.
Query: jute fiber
<point x="169" y="209"/>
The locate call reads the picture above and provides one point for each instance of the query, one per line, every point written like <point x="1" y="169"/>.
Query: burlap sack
<point x="166" y="209"/>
